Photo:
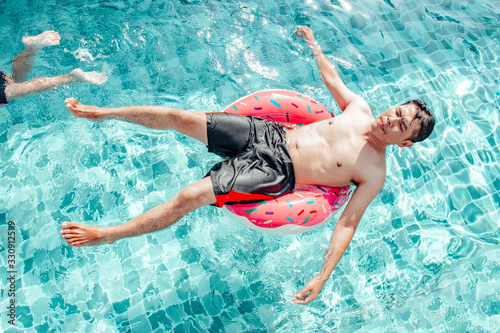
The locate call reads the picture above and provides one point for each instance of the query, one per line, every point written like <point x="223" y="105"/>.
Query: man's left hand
<point x="310" y="292"/>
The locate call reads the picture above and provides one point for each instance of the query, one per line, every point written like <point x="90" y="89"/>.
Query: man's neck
<point x="373" y="141"/>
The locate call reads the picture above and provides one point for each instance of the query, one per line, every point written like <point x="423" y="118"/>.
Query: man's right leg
<point x="190" y="123"/>
<point x="160" y="217"/>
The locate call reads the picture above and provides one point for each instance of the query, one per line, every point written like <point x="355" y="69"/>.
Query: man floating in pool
<point x="15" y="85"/>
<point x="346" y="150"/>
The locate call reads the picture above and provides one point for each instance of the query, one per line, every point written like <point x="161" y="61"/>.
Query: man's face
<point x="397" y="124"/>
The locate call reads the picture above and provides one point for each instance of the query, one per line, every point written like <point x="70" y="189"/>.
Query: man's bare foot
<point x="80" y="110"/>
<point x="88" y="77"/>
<point x="76" y="234"/>
<point x="47" y="38"/>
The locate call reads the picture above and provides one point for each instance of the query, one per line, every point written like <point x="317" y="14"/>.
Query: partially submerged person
<point x="15" y="85"/>
<point x="346" y="150"/>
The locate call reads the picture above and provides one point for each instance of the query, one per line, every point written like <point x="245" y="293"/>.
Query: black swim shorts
<point x="3" y="83"/>
<point x="259" y="162"/>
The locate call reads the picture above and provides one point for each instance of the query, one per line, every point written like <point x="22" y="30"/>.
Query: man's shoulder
<point x="370" y="183"/>
<point x="360" y="106"/>
<point x="373" y="168"/>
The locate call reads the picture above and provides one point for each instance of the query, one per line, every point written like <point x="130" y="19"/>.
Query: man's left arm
<point x="341" y="237"/>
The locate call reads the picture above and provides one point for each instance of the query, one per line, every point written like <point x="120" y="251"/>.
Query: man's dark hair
<point x="426" y="121"/>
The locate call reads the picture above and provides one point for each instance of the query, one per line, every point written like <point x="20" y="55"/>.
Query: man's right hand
<point x="307" y="34"/>
<point x="304" y="32"/>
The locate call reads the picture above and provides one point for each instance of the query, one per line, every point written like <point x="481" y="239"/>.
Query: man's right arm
<point x="331" y="78"/>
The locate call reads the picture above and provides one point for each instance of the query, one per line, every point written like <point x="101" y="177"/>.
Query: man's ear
<point x="406" y="143"/>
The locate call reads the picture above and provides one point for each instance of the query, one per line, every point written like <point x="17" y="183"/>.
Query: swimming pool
<point x="425" y="256"/>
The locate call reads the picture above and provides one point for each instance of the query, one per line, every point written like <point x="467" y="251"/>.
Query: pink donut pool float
<point x="306" y="207"/>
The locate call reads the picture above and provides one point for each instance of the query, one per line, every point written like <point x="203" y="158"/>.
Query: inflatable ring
<point x="306" y="207"/>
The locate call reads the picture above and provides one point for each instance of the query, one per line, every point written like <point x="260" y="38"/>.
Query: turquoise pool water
<point x="425" y="257"/>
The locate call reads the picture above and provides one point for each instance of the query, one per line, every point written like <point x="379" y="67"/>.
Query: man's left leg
<point x="160" y="217"/>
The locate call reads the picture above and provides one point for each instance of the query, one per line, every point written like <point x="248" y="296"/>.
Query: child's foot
<point x="47" y="38"/>
<point x="88" y="77"/>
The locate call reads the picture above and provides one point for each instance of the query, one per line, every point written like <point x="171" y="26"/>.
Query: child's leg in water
<point x="17" y="86"/>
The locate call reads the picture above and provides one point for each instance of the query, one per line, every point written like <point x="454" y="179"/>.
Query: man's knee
<point x="188" y="118"/>
<point x="189" y="194"/>
<point x="190" y="123"/>
<point x="198" y="194"/>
